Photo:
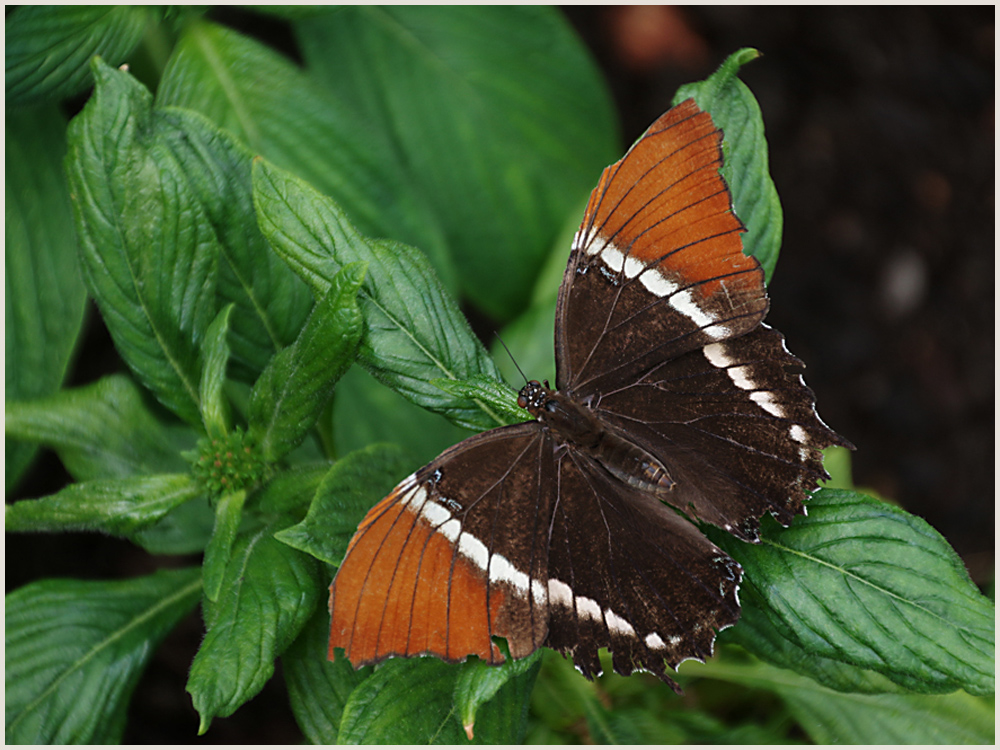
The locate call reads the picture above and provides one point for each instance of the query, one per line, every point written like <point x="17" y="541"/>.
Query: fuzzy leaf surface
<point x="114" y="506"/>
<point x="101" y="431"/>
<point x="213" y="376"/>
<point x="267" y="595"/>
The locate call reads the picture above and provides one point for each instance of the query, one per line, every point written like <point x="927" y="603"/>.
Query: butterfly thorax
<point x="575" y="423"/>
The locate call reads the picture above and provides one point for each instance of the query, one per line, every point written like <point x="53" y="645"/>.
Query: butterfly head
<point x="534" y="396"/>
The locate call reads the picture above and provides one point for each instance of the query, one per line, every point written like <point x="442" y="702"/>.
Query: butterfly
<point x="674" y="405"/>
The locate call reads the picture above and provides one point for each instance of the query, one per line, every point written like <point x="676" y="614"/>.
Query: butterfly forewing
<point x="657" y="266"/>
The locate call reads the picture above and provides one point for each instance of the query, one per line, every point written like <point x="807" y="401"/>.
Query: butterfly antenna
<point x="511" y="357"/>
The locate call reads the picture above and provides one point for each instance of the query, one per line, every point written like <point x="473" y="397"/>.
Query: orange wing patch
<point x="403" y="590"/>
<point x="665" y="203"/>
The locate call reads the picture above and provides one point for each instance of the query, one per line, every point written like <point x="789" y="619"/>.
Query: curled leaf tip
<point x="468" y="729"/>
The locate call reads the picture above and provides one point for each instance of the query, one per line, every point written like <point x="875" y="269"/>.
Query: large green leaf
<point x="352" y="486"/>
<point x="44" y="292"/>
<point x="862" y="582"/>
<point x="165" y="216"/>
<point x="267" y="594"/>
<point x="149" y="252"/>
<point x="414" y="331"/>
<point x="411" y="701"/>
<point x="74" y="651"/>
<point x="48" y="47"/>
<point x="479" y="683"/>
<point x="499" y="152"/>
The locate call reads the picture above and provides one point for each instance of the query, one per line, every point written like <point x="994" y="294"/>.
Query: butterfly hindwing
<point x="628" y="573"/>
<point x="735" y="426"/>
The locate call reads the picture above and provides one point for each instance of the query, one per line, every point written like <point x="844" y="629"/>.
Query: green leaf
<point x="297" y="384"/>
<point x="213" y="376"/>
<point x="349" y="490"/>
<point x="410" y="701"/>
<point x="890" y="719"/>
<point x="267" y="595"/>
<point x="44" y="292"/>
<point x="228" y="515"/>
<point x="498" y="397"/>
<point x="864" y="582"/>
<point x="829" y="716"/>
<point x="500" y="153"/>
<point x="757" y="634"/>
<point x="101" y="431"/>
<point x="281" y="113"/>
<point x="529" y="336"/>
<point x="367" y="412"/>
<point x="503" y="719"/>
<point x="318" y="689"/>
<point x="479" y="683"/>
<point x="114" y="506"/>
<point x="74" y="651"/>
<point x="149" y="252"/>
<point x="271" y="302"/>
<point x="414" y="332"/>
<point x="406" y="701"/>
<point x="48" y="47"/>
<point x="735" y="110"/>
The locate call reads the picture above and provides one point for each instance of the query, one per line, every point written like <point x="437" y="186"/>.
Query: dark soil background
<point x="880" y="124"/>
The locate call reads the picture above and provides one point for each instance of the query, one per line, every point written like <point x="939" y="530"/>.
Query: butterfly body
<point x="574" y="423"/>
<point x="675" y="405"/>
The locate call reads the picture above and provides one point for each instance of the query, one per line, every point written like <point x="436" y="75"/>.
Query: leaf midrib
<point x="112" y="637"/>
